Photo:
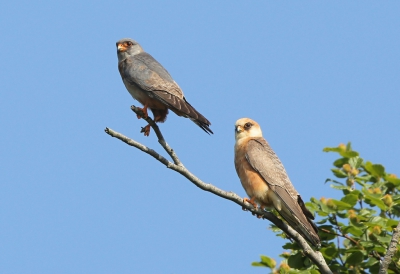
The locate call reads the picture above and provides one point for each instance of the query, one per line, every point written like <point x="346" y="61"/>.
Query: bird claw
<point x="251" y="201"/>
<point x="140" y="117"/>
<point x="259" y="216"/>
<point x="145" y="114"/>
<point x="145" y="130"/>
<point x="254" y="204"/>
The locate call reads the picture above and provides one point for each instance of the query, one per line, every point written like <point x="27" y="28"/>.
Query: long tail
<point x="182" y="108"/>
<point x="302" y="224"/>
<point x="198" y="118"/>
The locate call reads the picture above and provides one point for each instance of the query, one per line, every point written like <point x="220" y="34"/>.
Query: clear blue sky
<point x="74" y="200"/>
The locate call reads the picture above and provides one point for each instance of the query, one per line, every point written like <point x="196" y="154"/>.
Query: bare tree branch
<point x="160" y="137"/>
<point x="177" y="166"/>
<point x="391" y="250"/>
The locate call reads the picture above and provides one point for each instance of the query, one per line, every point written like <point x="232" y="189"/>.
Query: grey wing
<point x="264" y="160"/>
<point x="151" y="76"/>
<point x="144" y="71"/>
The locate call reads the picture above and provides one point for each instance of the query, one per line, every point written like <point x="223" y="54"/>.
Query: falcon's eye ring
<point x="247" y="125"/>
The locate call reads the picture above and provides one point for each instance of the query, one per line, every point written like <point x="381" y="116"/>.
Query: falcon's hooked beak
<point x="121" y="48"/>
<point x="238" y="129"/>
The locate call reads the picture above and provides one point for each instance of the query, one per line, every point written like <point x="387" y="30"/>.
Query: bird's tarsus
<point x="145" y="114"/>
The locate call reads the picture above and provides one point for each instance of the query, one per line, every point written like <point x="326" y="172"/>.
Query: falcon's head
<point x="246" y="127"/>
<point x="126" y="47"/>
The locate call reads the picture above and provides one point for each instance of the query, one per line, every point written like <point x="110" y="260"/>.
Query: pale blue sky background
<point x="74" y="200"/>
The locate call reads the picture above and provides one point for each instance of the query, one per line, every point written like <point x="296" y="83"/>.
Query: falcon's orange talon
<point x="145" y="130"/>
<point x="251" y="201"/>
<point x="144" y="109"/>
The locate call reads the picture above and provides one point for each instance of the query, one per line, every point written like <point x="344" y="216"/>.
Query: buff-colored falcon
<point x="265" y="180"/>
<point x="151" y="84"/>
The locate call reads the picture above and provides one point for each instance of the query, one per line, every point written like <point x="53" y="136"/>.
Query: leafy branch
<point x="366" y="218"/>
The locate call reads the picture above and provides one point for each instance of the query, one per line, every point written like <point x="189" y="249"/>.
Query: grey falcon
<point x="150" y="83"/>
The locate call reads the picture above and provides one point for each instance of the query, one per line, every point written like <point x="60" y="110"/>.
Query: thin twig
<point x="344" y="236"/>
<point x="391" y="250"/>
<point x="177" y="166"/>
<point x="160" y="137"/>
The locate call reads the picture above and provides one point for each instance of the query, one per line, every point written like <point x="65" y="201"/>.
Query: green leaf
<point x="258" y="264"/>
<point x="325" y="235"/>
<point x="350" y="199"/>
<point x="396" y="197"/>
<point x="380" y="249"/>
<point x="324" y="209"/>
<point x="312" y="206"/>
<point x="339" y="173"/>
<point x="332" y="149"/>
<point x="342" y="215"/>
<point x="340" y="162"/>
<point x="355" y="258"/>
<point x="285" y="255"/>
<point x="329" y="252"/>
<point x="390" y="224"/>
<point x="322" y="213"/>
<point x="356" y="192"/>
<point x="372" y="200"/>
<point x="375" y="269"/>
<point x="336" y="182"/>
<point x="339" y="187"/>
<point x="265" y="262"/>
<point x="376" y="202"/>
<point x="371" y="262"/>
<point x="307" y="262"/>
<point x="384" y="239"/>
<point x="378" y="221"/>
<point x="296" y="261"/>
<point x="291" y="245"/>
<point x="375" y="170"/>
<point x="353" y="230"/>
<point x="367" y="212"/>
<point x="341" y="205"/>
<point x="355" y="162"/>
<point x="394" y="181"/>
<point x="271" y="263"/>
<point x="366" y="244"/>
<point x="348" y="154"/>
<point x="322" y="221"/>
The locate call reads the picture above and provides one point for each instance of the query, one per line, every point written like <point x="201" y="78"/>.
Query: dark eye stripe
<point x="247" y="125"/>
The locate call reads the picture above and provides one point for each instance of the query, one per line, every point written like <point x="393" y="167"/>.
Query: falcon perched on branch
<point x="150" y="83"/>
<point x="265" y="180"/>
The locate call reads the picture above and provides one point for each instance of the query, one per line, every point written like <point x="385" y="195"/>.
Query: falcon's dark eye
<point x="129" y="43"/>
<point x="247" y="125"/>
